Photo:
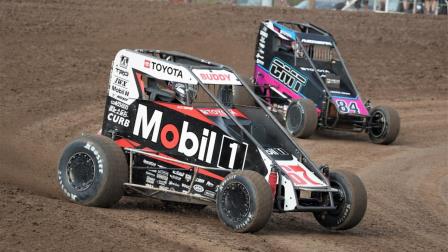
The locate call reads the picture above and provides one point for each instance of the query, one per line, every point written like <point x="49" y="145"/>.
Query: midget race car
<point x="300" y="73"/>
<point x="172" y="131"/>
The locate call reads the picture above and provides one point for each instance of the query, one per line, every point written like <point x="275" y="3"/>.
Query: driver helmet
<point x="185" y="93"/>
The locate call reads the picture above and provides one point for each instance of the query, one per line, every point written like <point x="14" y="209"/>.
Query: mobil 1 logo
<point x="232" y="153"/>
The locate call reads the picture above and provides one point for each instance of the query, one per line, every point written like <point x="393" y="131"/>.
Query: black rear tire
<point x="351" y="202"/>
<point x="92" y="170"/>
<point x="384" y="125"/>
<point x="301" y="118"/>
<point x="244" y="201"/>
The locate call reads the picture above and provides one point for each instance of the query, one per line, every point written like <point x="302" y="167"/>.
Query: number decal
<point x="234" y="147"/>
<point x="343" y="108"/>
<point x="232" y="154"/>
<point x="354" y="107"/>
<point x="299" y="176"/>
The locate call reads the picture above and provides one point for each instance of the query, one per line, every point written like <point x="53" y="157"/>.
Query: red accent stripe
<point x="210" y="174"/>
<point x="126" y="143"/>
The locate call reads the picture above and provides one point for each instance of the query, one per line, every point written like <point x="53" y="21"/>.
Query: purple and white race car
<point x="300" y="73"/>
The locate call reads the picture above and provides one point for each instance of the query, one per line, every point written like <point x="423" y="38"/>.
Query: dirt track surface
<point x="54" y="65"/>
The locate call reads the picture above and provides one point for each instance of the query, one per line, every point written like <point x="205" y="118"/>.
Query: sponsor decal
<point x="178" y="138"/>
<point x="162" y="182"/>
<point x="259" y="56"/>
<point x="118" y="111"/>
<point x="162" y="175"/>
<point x="165" y="173"/>
<point x="166" y="69"/>
<point x="171" y="183"/>
<point x="209" y="184"/>
<point x="151" y="173"/>
<point x="287" y="75"/>
<point x="118" y="116"/>
<point x="119" y="104"/>
<point x="186" y="138"/>
<point x="188" y="177"/>
<point x="276" y="151"/>
<point x="198" y="188"/>
<point x="212" y="76"/>
<point x="209" y="193"/>
<point x="150" y="180"/>
<point x="119" y="97"/>
<point x="149" y="163"/>
<point x="219" y="112"/>
<point x="223" y="77"/>
<point x="172" y="176"/>
<point x="200" y="181"/>
<point x="346" y="210"/>
<point x="340" y="92"/>
<point x="316" y="42"/>
<point x="124" y="61"/>
<point x="122" y="72"/>
<point x="308" y="69"/>
<point x="185" y="186"/>
<point x="121" y="83"/>
<point x="179" y="173"/>
<point x="99" y="159"/>
<point x="120" y="91"/>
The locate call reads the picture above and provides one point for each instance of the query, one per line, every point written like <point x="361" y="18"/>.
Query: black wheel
<point x="384" y="125"/>
<point x="182" y="205"/>
<point x="244" y="201"/>
<point x="301" y="118"/>
<point x="92" y="170"/>
<point x="351" y="202"/>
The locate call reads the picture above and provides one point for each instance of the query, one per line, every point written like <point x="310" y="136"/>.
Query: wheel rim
<point x="378" y="124"/>
<point x="339" y="197"/>
<point x="81" y="171"/>
<point x="235" y="202"/>
<point x="294" y="118"/>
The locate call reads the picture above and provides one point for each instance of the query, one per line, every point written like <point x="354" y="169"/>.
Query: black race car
<point x="300" y="73"/>
<point x="171" y="131"/>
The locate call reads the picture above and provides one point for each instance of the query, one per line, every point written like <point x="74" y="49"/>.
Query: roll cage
<point x="302" y="33"/>
<point x="224" y="102"/>
<point x="313" y="49"/>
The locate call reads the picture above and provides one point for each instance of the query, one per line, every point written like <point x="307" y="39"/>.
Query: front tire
<point x="301" y="118"/>
<point x="244" y="201"/>
<point x="92" y="170"/>
<point x="384" y="125"/>
<point x="351" y="202"/>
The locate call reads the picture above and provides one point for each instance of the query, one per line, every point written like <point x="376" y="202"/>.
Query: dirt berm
<point x="55" y="58"/>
